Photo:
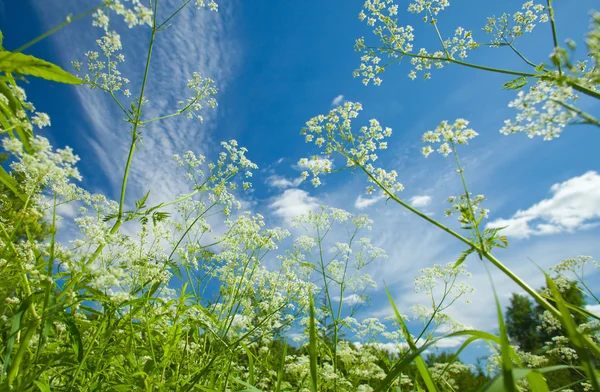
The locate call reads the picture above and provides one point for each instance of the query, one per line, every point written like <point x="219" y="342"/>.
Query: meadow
<point x="199" y="293"/>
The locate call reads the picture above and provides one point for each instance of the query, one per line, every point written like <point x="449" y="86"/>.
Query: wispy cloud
<point x="364" y="202"/>
<point x="337" y="100"/>
<point x="108" y="135"/>
<point x="293" y="202"/>
<point x="574" y="205"/>
<point x="350" y="300"/>
<point x="420" y="201"/>
<point x="282" y="182"/>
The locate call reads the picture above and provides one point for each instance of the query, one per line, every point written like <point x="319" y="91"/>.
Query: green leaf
<point x="421" y="366"/>
<point x="28" y="65"/>
<point x="74" y="335"/>
<point x="312" y="347"/>
<point x="11" y="184"/>
<point x="575" y="336"/>
<point x="139" y="204"/>
<point x="15" y="327"/>
<point x="463" y="256"/>
<point x="43" y="386"/>
<point x="516" y="84"/>
<point x="251" y="388"/>
<point x="281" y="368"/>
<point x="507" y="366"/>
<point x="497" y="383"/>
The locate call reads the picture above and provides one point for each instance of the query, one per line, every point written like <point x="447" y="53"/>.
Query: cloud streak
<point x="109" y="136"/>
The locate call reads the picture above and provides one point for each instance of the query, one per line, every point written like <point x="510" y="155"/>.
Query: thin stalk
<point x="510" y="45"/>
<point x="576" y="86"/>
<point x="589" y="119"/>
<point x="49" y="283"/>
<point x="85" y="355"/>
<point x="469" y="204"/>
<point x="470" y="65"/>
<point x="554" y="36"/>
<point x="69" y="20"/>
<point x="485" y="254"/>
<point x="134" y="137"/>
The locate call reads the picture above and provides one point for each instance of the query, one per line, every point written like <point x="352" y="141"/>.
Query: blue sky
<point x="279" y="63"/>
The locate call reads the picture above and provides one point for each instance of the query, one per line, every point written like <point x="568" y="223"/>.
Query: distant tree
<point x="468" y="379"/>
<point x="522" y="322"/>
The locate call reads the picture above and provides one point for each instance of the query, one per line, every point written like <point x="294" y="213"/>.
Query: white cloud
<point x="574" y="205"/>
<point x="363" y="202"/>
<point x="450" y="342"/>
<point x="293" y="202"/>
<point x="420" y="201"/>
<point x="350" y="300"/>
<point x="282" y="182"/>
<point x="392" y="348"/>
<point x="595" y="309"/>
<point x="337" y="100"/>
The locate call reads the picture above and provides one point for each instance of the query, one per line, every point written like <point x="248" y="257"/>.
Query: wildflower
<point x="543" y="110"/>
<point x="41" y="120"/>
<point x="447" y="133"/>
<point x="204" y="90"/>
<point x="334" y="135"/>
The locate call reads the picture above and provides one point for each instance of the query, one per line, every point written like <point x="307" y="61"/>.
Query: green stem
<point x="587" y="117"/>
<point x="56" y="28"/>
<point x="470" y="65"/>
<point x="510" y="45"/>
<point x="14" y="368"/>
<point x="85" y="355"/>
<point x="134" y="138"/>
<point x="554" y="36"/>
<point x="485" y="254"/>
<point x="469" y="204"/>
<point x="576" y="86"/>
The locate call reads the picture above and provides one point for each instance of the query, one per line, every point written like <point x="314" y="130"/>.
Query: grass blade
<point x="312" y="348"/>
<point x="575" y="336"/>
<point x="419" y="362"/>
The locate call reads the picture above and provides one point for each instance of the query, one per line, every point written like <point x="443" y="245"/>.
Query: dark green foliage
<point x="522" y="323"/>
<point x="525" y="328"/>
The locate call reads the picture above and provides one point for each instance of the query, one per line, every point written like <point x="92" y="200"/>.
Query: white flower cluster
<point x="103" y="74"/>
<point x="460" y="43"/>
<point x="133" y="12"/>
<point x="447" y="134"/>
<point x="574" y="265"/>
<point x="42" y="168"/>
<point x="218" y="183"/>
<point x="211" y="4"/>
<point x="21" y="119"/>
<point x="204" y="89"/>
<point x="460" y="206"/>
<point x="446" y="276"/>
<point x="524" y="22"/>
<point x="333" y="134"/>
<point x="543" y="110"/>
<point x="396" y="39"/>
<point x="431" y="7"/>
